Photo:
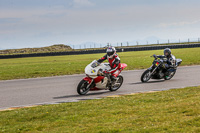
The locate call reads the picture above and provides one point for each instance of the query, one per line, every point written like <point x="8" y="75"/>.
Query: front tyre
<point x="82" y="87"/>
<point x="146" y="76"/>
<point x="117" y="84"/>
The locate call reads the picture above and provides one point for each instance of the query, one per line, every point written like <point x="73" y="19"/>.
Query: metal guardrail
<point x="101" y="51"/>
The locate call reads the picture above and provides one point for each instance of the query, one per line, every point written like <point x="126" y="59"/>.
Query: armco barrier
<point x="101" y="51"/>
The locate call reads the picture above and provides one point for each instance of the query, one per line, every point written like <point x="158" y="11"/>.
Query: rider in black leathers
<point x="170" y="62"/>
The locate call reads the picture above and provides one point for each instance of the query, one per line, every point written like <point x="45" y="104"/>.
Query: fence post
<point x="107" y="44"/>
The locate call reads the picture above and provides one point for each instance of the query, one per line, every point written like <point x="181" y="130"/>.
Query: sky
<point x="37" y="23"/>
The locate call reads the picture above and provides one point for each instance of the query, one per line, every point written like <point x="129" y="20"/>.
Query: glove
<point x="155" y="56"/>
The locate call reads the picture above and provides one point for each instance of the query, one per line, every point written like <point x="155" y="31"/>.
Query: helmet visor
<point x="166" y="53"/>
<point x="110" y="53"/>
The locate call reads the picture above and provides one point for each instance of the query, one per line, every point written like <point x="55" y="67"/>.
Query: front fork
<point x="152" y="70"/>
<point x="90" y="82"/>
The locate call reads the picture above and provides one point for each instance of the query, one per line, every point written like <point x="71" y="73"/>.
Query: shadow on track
<point x="149" y="82"/>
<point x="90" y="94"/>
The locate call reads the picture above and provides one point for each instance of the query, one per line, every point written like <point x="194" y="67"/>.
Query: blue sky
<point x="36" y="23"/>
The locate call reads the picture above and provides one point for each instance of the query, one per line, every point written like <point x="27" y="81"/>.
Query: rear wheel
<point x="117" y="84"/>
<point x="82" y="87"/>
<point x="146" y="76"/>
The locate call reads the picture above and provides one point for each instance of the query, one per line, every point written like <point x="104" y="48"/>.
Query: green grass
<point x="175" y="110"/>
<point x="74" y="64"/>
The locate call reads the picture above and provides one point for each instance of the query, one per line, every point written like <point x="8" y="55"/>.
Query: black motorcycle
<point x="158" y="71"/>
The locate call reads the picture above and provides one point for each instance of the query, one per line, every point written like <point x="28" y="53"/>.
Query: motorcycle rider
<point x="114" y="62"/>
<point x="170" y="62"/>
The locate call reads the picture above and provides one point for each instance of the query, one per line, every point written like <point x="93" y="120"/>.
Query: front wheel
<point x="117" y="84"/>
<point x="82" y="87"/>
<point x="146" y="76"/>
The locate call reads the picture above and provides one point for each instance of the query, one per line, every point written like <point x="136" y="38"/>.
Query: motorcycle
<point x="157" y="70"/>
<point x="96" y="79"/>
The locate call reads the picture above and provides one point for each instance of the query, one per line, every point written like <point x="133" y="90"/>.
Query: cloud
<point x="183" y="23"/>
<point x="82" y="3"/>
<point x="9" y="20"/>
<point x="31" y="23"/>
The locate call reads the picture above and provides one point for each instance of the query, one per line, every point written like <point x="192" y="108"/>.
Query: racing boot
<point x="167" y="73"/>
<point x="113" y="80"/>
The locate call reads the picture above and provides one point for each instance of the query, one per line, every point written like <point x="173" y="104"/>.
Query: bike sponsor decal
<point x="93" y="71"/>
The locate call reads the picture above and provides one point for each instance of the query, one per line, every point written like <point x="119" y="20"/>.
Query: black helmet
<point x="167" y="52"/>
<point x="111" y="51"/>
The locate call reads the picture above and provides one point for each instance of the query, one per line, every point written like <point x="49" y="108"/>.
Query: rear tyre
<point x="146" y="76"/>
<point x="170" y="76"/>
<point x="118" y="83"/>
<point x="82" y="87"/>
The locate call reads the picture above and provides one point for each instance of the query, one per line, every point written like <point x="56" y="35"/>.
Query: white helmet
<point x="111" y="51"/>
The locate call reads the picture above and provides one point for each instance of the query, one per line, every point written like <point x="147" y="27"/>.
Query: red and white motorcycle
<point x="97" y="80"/>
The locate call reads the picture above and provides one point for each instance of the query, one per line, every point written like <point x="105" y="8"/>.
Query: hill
<point x="53" y="48"/>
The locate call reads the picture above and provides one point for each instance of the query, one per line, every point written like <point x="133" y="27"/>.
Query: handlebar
<point x="162" y="59"/>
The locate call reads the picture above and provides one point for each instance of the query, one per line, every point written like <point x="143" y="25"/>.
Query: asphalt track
<point x="59" y="89"/>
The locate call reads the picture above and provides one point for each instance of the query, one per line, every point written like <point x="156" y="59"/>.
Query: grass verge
<point x="176" y="110"/>
<point x="74" y="64"/>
